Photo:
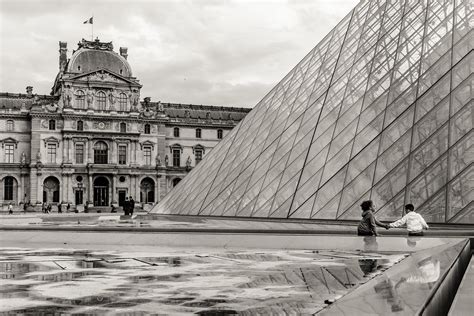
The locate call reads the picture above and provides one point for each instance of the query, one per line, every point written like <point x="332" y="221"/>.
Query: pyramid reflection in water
<point x="381" y="108"/>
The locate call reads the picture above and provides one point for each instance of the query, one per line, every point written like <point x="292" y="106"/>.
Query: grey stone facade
<point x="94" y="141"/>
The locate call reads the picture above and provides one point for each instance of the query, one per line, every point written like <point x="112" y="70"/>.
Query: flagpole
<point x="92" y="35"/>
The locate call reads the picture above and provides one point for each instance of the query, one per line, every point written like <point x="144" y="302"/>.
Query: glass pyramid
<point x="380" y="109"/>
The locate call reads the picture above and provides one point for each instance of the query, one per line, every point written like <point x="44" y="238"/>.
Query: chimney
<point x="62" y="56"/>
<point x="124" y="52"/>
<point x="29" y="91"/>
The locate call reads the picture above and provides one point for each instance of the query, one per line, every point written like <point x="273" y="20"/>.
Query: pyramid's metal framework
<point x="380" y="109"/>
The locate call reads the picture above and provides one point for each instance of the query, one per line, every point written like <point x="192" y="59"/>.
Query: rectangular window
<point x="147" y="154"/>
<point x="122" y="154"/>
<point x="52" y="153"/>
<point x="79" y="153"/>
<point x="198" y="133"/>
<point x="176" y="157"/>
<point x="197" y="155"/>
<point x="9" y="153"/>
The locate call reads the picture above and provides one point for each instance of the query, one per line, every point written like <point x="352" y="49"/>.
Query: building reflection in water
<point x="389" y="291"/>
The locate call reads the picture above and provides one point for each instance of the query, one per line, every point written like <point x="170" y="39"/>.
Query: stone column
<point x="137" y="188"/>
<point x="68" y="188"/>
<point x="89" y="151"/>
<point x="132" y="153"/>
<point x="63" y="188"/>
<point x="33" y="184"/>
<point x="64" y="147"/>
<point x="114" y="152"/>
<point x="114" y="181"/>
<point x="19" y="191"/>
<point x="69" y="150"/>
<point x="157" y="189"/>
<point x="89" y="189"/>
<point x="39" y="187"/>
<point x="135" y="153"/>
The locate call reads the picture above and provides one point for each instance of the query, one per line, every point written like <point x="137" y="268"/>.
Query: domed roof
<point x="97" y="55"/>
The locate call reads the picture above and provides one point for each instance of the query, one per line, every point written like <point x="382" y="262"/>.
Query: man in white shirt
<point x="414" y="221"/>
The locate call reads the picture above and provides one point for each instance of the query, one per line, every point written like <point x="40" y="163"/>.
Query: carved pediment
<point x="51" y="140"/>
<point x="147" y="143"/>
<point x="9" y="140"/>
<point x="103" y="75"/>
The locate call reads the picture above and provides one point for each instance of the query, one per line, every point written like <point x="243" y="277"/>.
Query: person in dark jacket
<point x="132" y="205"/>
<point x="126" y="206"/>
<point x="368" y="223"/>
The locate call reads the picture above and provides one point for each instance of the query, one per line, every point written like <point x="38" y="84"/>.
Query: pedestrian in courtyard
<point x="126" y="206"/>
<point x="113" y="209"/>
<point x="25" y="206"/>
<point x="86" y="207"/>
<point x="43" y="207"/>
<point x="68" y="207"/>
<point x="10" y="208"/>
<point x="368" y="223"/>
<point x="414" y="221"/>
<point x="132" y="205"/>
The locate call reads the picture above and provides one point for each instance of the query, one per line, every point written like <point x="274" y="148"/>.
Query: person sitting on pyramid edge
<point x="414" y="221"/>
<point x="368" y="223"/>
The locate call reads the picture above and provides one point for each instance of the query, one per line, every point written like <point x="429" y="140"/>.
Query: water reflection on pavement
<point x="221" y="282"/>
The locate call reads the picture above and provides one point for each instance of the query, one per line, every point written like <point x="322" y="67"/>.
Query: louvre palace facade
<point x="94" y="141"/>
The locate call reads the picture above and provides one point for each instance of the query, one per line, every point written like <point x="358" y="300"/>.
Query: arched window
<point x="123" y="127"/>
<point x="147" y="191"/>
<point x="10" y="125"/>
<point x="122" y="100"/>
<point x="101" y="101"/>
<point x="198" y="133"/>
<point x="176" y="132"/>
<point x="80" y="99"/>
<point x="100" y="153"/>
<point x="52" y="125"/>
<point x="80" y="125"/>
<point x="51" y="190"/>
<point x="8" y="188"/>
<point x="147" y="128"/>
<point x="219" y="134"/>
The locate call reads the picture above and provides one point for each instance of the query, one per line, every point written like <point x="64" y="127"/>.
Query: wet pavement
<point x="95" y="264"/>
<point x="57" y="281"/>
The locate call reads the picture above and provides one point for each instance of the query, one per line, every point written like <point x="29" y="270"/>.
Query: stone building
<point x="93" y="141"/>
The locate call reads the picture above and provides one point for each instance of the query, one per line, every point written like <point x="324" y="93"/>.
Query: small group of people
<point x="46" y="208"/>
<point x="49" y="207"/>
<point x="128" y="206"/>
<point x="414" y="222"/>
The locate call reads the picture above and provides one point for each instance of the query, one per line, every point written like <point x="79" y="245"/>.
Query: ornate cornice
<point x="97" y="44"/>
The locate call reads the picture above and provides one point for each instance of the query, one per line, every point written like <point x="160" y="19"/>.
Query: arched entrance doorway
<point x="10" y="189"/>
<point x="51" y="190"/>
<point x="147" y="190"/>
<point x="101" y="191"/>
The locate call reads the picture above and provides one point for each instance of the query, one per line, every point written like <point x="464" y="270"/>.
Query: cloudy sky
<point x="215" y="52"/>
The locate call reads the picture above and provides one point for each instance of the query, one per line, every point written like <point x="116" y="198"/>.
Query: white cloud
<point x="203" y="52"/>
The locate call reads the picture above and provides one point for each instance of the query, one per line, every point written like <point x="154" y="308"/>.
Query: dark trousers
<point x="364" y="233"/>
